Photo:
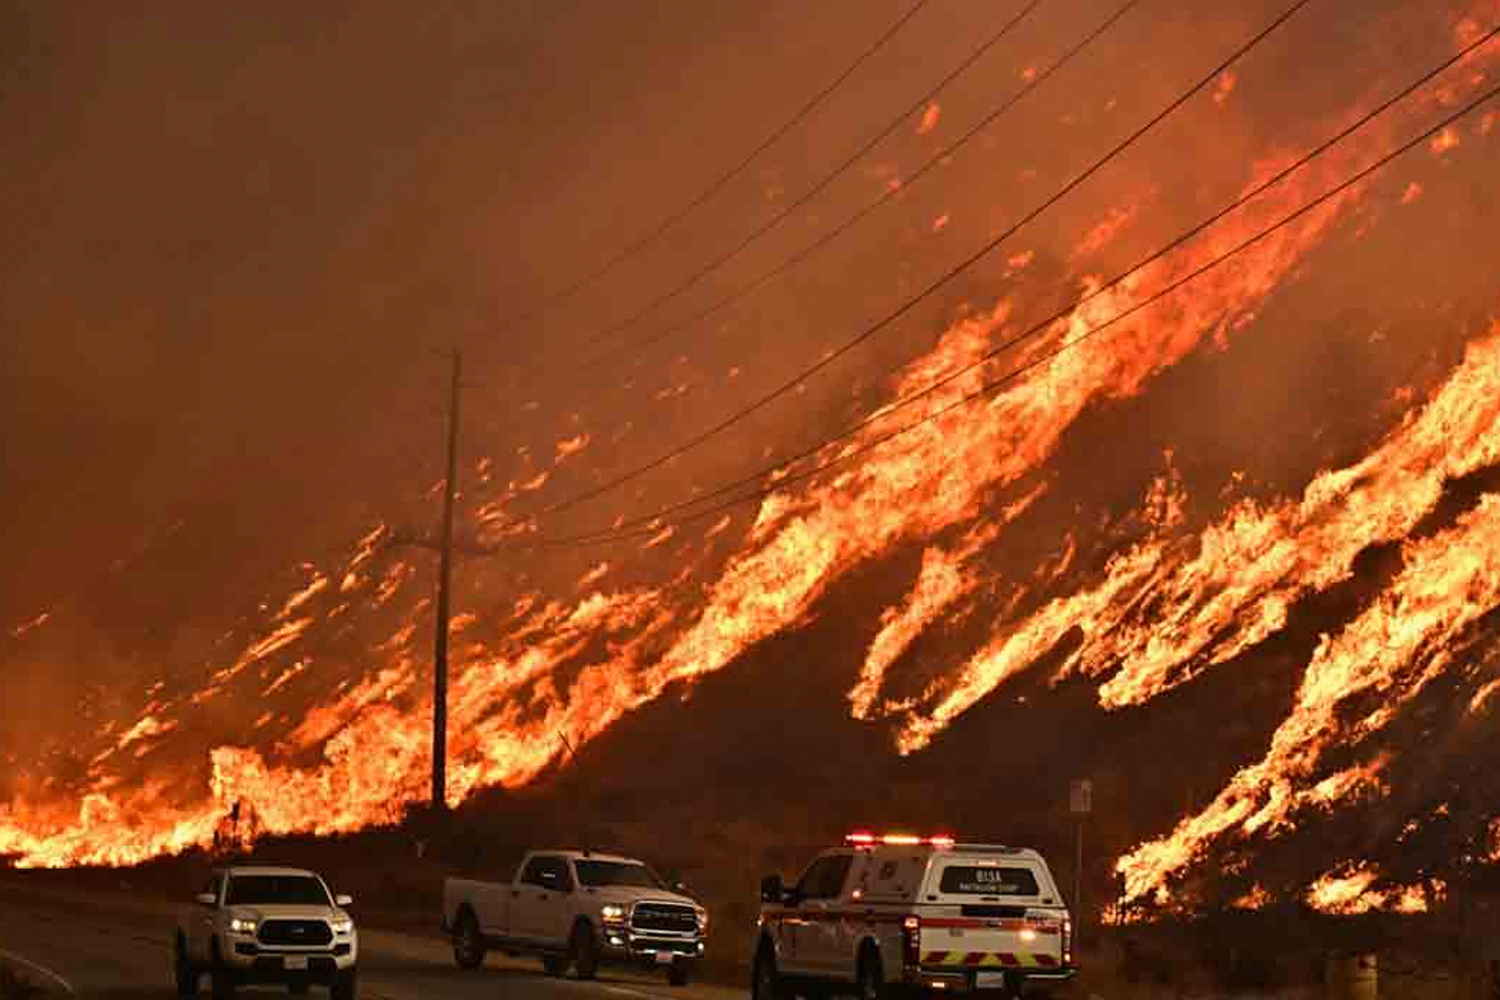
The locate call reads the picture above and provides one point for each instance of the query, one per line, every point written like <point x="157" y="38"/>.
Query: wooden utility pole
<point x="445" y="576"/>
<point x="1080" y="804"/>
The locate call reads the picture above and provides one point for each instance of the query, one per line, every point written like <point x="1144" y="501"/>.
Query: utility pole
<point x="445" y="576"/>
<point x="1080" y="804"/>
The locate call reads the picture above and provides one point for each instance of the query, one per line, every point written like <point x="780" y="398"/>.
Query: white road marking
<point x="59" y="980"/>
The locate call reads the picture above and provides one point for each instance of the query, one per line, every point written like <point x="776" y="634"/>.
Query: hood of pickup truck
<point x="287" y="912"/>
<point x="634" y="894"/>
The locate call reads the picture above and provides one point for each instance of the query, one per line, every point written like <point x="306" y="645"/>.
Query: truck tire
<point x="223" y="979"/>
<point x="468" y="943"/>
<point x="555" y="965"/>
<point x="678" y="974"/>
<point x="184" y="975"/>
<point x="345" y="986"/>
<point x="583" y="948"/>
<point x="765" y="981"/>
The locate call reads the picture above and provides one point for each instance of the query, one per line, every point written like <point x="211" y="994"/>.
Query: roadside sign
<point x="1081" y="796"/>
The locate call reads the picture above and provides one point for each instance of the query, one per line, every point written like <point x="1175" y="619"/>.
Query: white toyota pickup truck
<point x="266" y="925"/>
<point x="576" y="908"/>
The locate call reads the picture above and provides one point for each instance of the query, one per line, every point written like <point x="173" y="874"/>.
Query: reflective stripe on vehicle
<point x="990" y="959"/>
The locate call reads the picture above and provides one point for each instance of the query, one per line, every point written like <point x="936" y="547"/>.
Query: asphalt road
<point x="119" y="947"/>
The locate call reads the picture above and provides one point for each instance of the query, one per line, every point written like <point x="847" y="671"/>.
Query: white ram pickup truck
<point x="266" y="925"/>
<point x="576" y="908"/>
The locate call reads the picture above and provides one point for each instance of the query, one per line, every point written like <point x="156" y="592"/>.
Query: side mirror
<point x="342" y="900"/>
<point x="206" y="899"/>
<point x="771" y="889"/>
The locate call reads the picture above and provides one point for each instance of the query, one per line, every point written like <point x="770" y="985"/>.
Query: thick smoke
<point x="236" y="263"/>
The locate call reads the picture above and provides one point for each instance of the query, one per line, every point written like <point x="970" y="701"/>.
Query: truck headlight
<point x="612" y="913"/>
<point x="702" y="921"/>
<point x="343" y="925"/>
<point x="242" y="925"/>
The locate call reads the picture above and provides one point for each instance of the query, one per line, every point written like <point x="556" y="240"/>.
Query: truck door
<point x="527" y="897"/>
<point x="555" y="909"/>
<point x="820" y="947"/>
<point x="200" y="922"/>
<point x="805" y="910"/>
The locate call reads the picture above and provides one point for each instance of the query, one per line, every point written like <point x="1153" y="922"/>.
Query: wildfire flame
<point x="543" y="674"/>
<point x="1352" y="889"/>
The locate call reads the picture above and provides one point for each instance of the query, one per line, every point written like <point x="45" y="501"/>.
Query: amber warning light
<point x="902" y="839"/>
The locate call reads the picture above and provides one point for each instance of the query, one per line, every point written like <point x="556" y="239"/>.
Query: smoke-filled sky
<point x="234" y="237"/>
<point x="236" y="240"/>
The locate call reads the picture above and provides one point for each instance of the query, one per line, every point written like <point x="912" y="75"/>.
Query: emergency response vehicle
<point x="903" y="915"/>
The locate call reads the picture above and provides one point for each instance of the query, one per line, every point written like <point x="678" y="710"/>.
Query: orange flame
<point x="1248" y="569"/>
<point x="1394" y="649"/>
<point x="1351" y="890"/>
<point x="930" y="118"/>
<point x="565" y="672"/>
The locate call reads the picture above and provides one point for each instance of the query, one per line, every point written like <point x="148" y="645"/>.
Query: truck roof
<point x="579" y="855"/>
<point x="239" y="870"/>
<point x="1019" y="853"/>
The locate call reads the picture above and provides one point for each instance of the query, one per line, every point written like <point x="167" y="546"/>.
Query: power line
<point x="653" y="520"/>
<point x="821" y="185"/>
<point x="910" y="303"/>
<point x="561" y="295"/>
<point x="656" y="525"/>
<point x="886" y="196"/>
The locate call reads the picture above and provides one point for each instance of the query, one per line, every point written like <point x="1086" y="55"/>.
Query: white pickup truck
<point x="576" y="908"/>
<point x="266" y="925"/>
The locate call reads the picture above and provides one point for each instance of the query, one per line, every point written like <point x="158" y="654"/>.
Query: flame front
<point x="536" y="674"/>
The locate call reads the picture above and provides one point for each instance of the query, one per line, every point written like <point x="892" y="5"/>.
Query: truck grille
<point x="677" y="946"/>
<point x="312" y="933"/>
<point x="664" y="917"/>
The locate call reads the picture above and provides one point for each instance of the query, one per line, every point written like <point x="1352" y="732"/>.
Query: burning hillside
<point x="1125" y="498"/>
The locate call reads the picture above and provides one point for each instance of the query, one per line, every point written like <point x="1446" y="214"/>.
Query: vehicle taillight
<point x="911" y="942"/>
<point x="1067" y="940"/>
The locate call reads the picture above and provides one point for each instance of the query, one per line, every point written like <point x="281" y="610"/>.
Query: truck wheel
<point x="678" y="974"/>
<point x="345" y="986"/>
<point x="184" y="975"/>
<point x="223" y="979"/>
<point x="556" y="965"/>
<point x="584" y="950"/>
<point x="765" y="982"/>
<point x="871" y="977"/>
<point x="468" y="945"/>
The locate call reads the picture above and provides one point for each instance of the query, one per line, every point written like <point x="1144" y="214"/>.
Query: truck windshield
<point x="286" y="890"/>
<point x="600" y="873"/>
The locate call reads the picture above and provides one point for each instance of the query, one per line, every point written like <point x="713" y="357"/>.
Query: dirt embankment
<point x="15" y="984"/>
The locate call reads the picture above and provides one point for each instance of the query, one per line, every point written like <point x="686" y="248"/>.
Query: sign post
<point x="1080" y="804"/>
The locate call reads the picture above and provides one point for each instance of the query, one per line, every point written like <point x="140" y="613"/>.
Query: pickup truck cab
<point x="266" y="925"/>
<point x="576" y="908"/>
<point x="909" y="915"/>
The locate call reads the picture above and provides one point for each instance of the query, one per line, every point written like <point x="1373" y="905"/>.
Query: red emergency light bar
<point x="863" y="839"/>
